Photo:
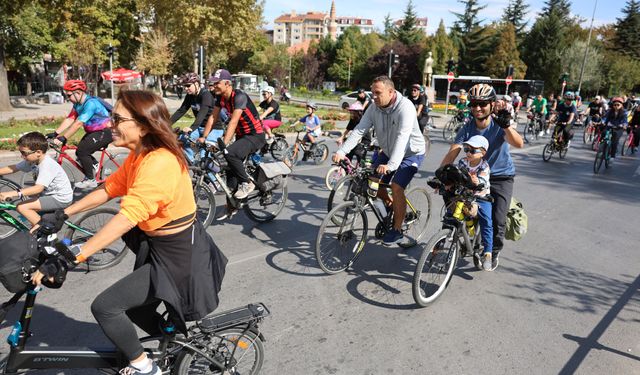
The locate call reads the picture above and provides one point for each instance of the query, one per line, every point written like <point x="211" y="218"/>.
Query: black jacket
<point x="201" y="105"/>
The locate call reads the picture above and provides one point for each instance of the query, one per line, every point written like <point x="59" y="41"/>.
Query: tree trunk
<point x="5" y="103"/>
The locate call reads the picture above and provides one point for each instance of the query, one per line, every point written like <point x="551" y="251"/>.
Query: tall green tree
<point x="389" y="28"/>
<point x="155" y="54"/>
<point x="470" y="38"/>
<point x="505" y="54"/>
<point x="572" y="58"/>
<point x="562" y="7"/>
<point x="442" y="48"/>
<point x="8" y="10"/>
<point x="515" y="14"/>
<point x="408" y="32"/>
<point x="627" y="39"/>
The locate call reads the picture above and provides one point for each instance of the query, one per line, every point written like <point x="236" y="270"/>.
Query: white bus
<point x="524" y="87"/>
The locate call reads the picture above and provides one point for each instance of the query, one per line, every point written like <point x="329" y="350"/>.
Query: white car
<point x="347" y="99"/>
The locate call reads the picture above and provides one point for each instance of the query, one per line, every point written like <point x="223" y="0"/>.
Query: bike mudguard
<point x="234" y="317"/>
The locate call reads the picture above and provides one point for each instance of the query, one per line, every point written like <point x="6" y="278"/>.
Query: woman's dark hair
<point x="612" y="115"/>
<point x="34" y="141"/>
<point x="151" y="114"/>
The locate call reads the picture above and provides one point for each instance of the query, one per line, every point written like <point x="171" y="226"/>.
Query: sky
<point x="606" y="11"/>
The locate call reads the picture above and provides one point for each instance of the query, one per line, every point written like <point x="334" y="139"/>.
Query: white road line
<point x="637" y="172"/>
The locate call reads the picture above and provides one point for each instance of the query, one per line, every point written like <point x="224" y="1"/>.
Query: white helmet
<point x="270" y="90"/>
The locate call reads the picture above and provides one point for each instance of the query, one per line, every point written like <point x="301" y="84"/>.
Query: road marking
<point x="637" y="173"/>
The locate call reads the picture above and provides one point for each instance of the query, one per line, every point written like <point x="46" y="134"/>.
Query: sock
<point x="144" y="365"/>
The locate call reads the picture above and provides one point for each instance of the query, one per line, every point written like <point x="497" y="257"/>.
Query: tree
<point x="155" y="54"/>
<point x="628" y="29"/>
<point x="389" y="28"/>
<point x="572" y="59"/>
<point x="271" y="62"/>
<point x="442" y="48"/>
<point x="408" y="32"/>
<point x="407" y="73"/>
<point x="470" y="38"/>
<point x="515" y="14"/>
<point x="562" y="7"/>
<point x="353" y="49"/>
<point x="505" y="54"/>
<point x="622" y="73"/>
<point x="325" y="54"/>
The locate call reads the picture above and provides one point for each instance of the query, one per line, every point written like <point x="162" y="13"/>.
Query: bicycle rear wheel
<point x="334" y="174"/>
<point x="626" y="146"/>
<point x="241" y="350"/>
<point x="587" y="136"/>
<point x="547" y="151"/>
<point x="600" y="155"/>
<point x="338" y="245"/>
<point x="205" y="204"/>
<point x="291" y="156"/>
<point x="85" y="227"/>
<point x="435" y="267"/>
<point x="262" y="207"/>
<point x="417" y="217"/>
<point x="320" y="153"/>
<point x="449" y="131"/>
<point x="278" y="148"/>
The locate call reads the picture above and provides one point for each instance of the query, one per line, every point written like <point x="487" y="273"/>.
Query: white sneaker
<point x="86" y="184"/>
<point x="546" y="132"/>
<point x="541" y="133"/>
<point x="270" y="140"/>
<point x="244" y="189"/>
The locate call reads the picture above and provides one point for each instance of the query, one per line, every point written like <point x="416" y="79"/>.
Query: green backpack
<point x="516" y="221"/>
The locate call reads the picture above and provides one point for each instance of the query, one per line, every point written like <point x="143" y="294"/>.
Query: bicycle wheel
<point x="205" y="204"/>
<point x="278" y="147"/>
<point x="242" y="351"/>
<point x="587" y="136"/>
<point x="435" y="267"/>
<point x="291" y="156"/>
<point x="449" y="131"/>
<point x="341" y="192"/>
<point x="563" y="152"/>
<point x="338" y="245"/>
<point x="7" y="229"/>
<point x="85" y="227"/>
<point x="597" y="163"/>
<point x="334" y="174"/>
<point x="262" y="207"/>
<point x="320" y="153"/>
<point x="547" y="151"/>
<point x="607" y="155"/>
<point x="417" y="217"/>
<point x="112" y="163"/>
<point x="625" y="145"/>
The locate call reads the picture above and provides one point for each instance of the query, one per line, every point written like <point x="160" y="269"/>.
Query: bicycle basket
<point x="18" y="255"/>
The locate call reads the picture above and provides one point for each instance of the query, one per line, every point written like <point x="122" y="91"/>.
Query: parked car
<point x="347" y="99"/>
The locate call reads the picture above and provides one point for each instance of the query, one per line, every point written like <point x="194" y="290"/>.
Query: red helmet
<point x="74" y="84"/>
<point x="617" y="99"/>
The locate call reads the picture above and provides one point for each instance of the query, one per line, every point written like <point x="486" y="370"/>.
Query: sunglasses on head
<point x="116" y="119"/>
<point x="481" y="103"/>
<point x="471" y="150"/>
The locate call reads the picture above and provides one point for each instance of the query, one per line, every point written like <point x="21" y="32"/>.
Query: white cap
<point x="598" y="97"/>
<point x="478" y="141"/>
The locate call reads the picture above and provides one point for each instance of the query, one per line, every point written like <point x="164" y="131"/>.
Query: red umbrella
<point x="121" y="75"/>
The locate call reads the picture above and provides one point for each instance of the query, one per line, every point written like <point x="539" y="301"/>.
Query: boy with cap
<point x="475" y="148"/>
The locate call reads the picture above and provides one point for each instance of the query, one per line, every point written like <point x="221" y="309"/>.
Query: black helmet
<point x="482" y="91"/>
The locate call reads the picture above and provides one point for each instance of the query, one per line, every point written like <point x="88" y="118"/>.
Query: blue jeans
<point x="212" y="137"/>
<point x="486" y="225"/>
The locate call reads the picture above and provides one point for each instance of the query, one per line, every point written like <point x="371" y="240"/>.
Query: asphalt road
<point x="564" y="299"/>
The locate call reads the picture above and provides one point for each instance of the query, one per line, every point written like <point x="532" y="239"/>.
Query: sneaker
<point x="392" y="237"/>
<point x="130" y="370"/>
<point x="244" y="190"/>
<point x="87" y="184"/>
<point x="486" y="262"/>
<point x="270" y="140"/>
<point x="568" y="144"/>
<point x="494" y="261"/>
<point x="228" y="214"/>
<point x="546" y="132"/>
<point x="541" y="133"/>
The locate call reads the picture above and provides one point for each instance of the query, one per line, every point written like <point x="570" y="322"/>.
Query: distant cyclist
<point x="271" y="117"/>
<point x="200" y="101"/>
<point x="616" y="118"/>
<point x="566" y="113"/>
<point x="595" y="108"/>
<point x="91" y="114"/>
<point x="539" y="107"/>
<point x="419" y="101"/>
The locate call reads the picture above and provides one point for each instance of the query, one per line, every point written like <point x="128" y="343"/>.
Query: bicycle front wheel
<point x="6" y="229"/>
<point x="85" y="227"/>
<point x="597" y="163"/>
<point x="547" y="151"/>
<point x="587" y="136"/>
<point x="334" y="174"/>
<point x="435" y="267"/>
<point x="626" y="146"/>
<point x="291" y="156"/>
<point x="449" y="131"/>
<point x="264" y="207"/>
<point x="417" y="216"/>
<point x="205" y="204"/>
<point x="242" y="352"/>
<point x="338" y="245"/>
<point x="278" y="148"/>
<point x="320" y="153"/>
<point x="341" y="192"/>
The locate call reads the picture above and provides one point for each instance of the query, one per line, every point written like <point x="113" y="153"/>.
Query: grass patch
<point x="13" y="129"/>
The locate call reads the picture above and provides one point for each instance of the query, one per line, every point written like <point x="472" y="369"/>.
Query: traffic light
<point x="110" y="51"/>
<point x="451" y="65"/>
<point x="396" y="59"/>
<point x="509" y="72"/>
<point x="196" y="55"/>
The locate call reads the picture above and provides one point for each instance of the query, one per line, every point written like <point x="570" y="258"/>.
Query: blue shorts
<point x="404" y="174"/>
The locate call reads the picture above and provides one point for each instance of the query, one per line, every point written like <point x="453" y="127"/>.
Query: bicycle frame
<point x="62" y="155"/>
<point x="19" y="225"/>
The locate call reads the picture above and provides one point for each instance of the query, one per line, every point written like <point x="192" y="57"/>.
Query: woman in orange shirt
<point x="176" y="261"/>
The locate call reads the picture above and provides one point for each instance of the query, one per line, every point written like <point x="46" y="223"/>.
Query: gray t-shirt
<point x="50" y="175"/>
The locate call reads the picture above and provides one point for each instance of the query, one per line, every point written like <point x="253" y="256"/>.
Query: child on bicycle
<point x="312" y="124"/>
<point x="52" y="182"/>
<point x="475" y="149"/>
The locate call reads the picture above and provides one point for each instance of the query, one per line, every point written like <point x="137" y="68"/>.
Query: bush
<point x="326" y="92"/>
<point x="303" y="90"/>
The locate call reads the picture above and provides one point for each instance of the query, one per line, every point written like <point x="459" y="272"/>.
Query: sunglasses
<point x="481" y="103"/>
<point x="27" y="153"/>
<point x="116" y="119"/>
<point x="469" y="150"/>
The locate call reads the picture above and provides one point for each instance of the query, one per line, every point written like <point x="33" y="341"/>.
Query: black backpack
<point x="18" y="255"/>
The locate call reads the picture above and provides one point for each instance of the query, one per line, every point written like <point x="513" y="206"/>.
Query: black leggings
<point x="616" y="134"/>
<point x="501" y="192"/>
<point x="235" y="155"/>
<point x="90" y="143"/>
<point x="127" y="302"/>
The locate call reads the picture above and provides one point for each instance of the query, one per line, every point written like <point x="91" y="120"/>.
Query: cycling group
<point x="177" y="262"/>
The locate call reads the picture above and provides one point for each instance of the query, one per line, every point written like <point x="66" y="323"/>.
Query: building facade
<point x="365" y="25"/>
<point x="421" y="23"/>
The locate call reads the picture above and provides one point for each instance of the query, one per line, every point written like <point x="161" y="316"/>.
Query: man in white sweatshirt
<point x="402" y="147"/>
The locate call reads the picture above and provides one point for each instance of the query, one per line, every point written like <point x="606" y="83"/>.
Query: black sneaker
<point x="495" y="261"/>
